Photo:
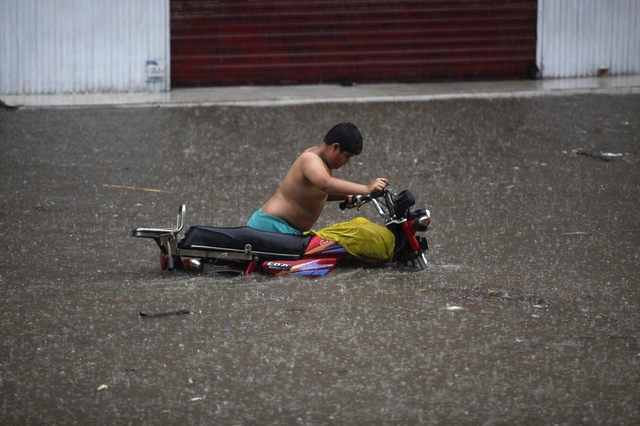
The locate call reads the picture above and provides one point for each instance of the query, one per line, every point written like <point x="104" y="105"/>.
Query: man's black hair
<point x="347" y="136"/>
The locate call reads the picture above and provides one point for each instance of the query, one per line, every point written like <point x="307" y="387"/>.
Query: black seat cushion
<point x="212" y="238"/>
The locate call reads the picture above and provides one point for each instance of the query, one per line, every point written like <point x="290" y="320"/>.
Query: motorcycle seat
<point x="262" y="243"/>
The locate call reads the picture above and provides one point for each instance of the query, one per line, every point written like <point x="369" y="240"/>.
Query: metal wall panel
<point x="83" y="46"/>
<point x="244" y="42"/>
<point x="578" y="38"/>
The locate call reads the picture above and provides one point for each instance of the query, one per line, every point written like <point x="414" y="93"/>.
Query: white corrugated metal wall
<point x="83" y="46"/>
<point x="97" y="46"/>
<point x="577" y="38"/>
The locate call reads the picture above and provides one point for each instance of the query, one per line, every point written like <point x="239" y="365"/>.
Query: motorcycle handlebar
<point x="377" y="194"/>
<point x="359" y="199"/>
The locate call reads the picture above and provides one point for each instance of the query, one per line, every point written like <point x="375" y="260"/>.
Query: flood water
<point x="529" y="312"/>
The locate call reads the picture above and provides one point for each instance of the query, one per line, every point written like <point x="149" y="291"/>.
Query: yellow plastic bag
<point x="361" y="238"/>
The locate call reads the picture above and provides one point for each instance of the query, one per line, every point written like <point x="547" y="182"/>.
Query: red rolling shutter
<point x="260" y="42"/>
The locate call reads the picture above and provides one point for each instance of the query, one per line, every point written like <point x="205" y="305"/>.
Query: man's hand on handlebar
<point x="348" y="203"/>
<point x="378" y="184"/>
<point x="376" y="189"/>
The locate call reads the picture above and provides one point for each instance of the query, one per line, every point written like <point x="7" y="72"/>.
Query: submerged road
<point x="529" y="312"/>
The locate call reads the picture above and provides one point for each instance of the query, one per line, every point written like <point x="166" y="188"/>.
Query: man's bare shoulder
<point x="309" y="158"/>
<point x="310" y="154"/>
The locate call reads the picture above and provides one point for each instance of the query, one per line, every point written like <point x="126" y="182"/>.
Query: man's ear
<point x="335" y="147"/>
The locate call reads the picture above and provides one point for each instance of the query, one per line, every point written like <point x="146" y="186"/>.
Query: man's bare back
<point x="299" y="201"/>
<point x="310" y="183"/>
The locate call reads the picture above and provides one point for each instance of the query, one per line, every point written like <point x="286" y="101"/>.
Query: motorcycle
<point x="243" y="250"/>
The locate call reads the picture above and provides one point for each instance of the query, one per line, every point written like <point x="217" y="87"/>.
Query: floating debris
<point x="604" y="156"/>
<point x="135" y="188"/>
<point x="166" y="314"/>
<point x="102" y="387"/>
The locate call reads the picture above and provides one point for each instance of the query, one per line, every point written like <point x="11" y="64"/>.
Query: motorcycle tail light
<point x="193" y="264"/>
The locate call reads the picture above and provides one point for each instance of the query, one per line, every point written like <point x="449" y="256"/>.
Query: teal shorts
<point x="269" y="223"/>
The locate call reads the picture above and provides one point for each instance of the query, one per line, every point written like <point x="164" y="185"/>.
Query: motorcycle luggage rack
<point x="162" y="232"/>
<point x="165" y="238"/>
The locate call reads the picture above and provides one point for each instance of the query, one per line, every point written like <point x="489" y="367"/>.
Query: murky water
<point x="528" y="313"/>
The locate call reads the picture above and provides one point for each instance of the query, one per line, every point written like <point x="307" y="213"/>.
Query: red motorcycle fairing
<point x="319" y="247"/>
<point x="310" y="268"/>
<point x="320" y="257"/>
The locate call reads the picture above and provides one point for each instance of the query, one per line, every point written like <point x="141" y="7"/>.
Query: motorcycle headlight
<point x="423" y="222"/>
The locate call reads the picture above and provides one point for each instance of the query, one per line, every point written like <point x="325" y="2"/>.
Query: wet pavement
<point x="528" y="312"/>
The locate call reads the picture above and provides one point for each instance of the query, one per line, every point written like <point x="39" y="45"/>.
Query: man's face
<point x="340" y="158"/>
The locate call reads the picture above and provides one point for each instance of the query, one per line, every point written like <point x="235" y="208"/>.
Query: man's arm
<point x="316" y="172"/>
<point x="338" y="197"/>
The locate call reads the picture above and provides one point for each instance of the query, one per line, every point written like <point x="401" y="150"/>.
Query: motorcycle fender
<point x="411" y="237"/>
<point x="311" y="268"/>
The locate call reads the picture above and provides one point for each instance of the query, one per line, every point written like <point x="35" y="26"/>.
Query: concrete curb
<point x="264" y="96"/>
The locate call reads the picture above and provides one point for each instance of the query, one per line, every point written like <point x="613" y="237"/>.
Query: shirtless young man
<point x="299" y="201"/>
